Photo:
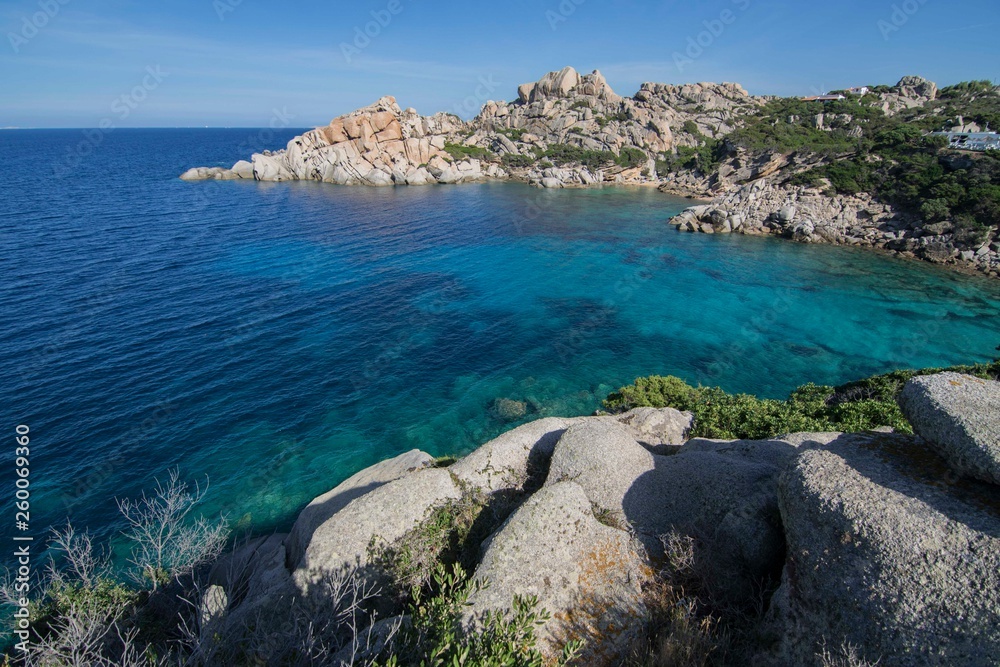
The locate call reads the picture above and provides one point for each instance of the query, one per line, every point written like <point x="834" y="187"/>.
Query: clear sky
<point x="160" y="63"/>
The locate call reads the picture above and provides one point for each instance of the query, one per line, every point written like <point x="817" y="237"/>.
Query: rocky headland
<point x="880" y="547"/>
<point x="810" y="171"/>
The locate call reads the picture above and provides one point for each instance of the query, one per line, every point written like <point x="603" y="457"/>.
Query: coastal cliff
<point x="606" y="520"/>
<point x="563" y="130"/>
<point x="854" y="170"/>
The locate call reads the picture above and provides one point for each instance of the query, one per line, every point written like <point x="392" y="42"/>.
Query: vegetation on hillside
<point x="864" y="150"/>
<point x="566" y="154"/>
<point x="857" y="406"/>
<point x="463" y="152"/>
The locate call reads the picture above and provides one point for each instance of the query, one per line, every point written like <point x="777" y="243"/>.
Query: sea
<point x="268" y="340"/>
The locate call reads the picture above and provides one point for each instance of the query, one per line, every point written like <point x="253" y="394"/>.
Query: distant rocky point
<point x="382" y="144"/>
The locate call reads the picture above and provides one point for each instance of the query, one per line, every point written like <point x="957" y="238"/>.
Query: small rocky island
<point x="860" y="168"/>
<point x="833" y="548"/>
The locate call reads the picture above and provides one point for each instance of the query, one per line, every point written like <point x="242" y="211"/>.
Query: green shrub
<point x="563" y="154"/>
<point x="630" y="157"/>
<point x="463" y="152"/>
<point x="517" y="161"/>
<point x="853" y="407"/>
<point x="447" y="535"/>
<point x="435" y="635"/>
<point x="655" y="391"/>
<point x="703" y="158"/>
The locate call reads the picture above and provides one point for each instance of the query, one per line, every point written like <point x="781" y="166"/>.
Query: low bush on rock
<point x="564" y="154"/>
<point x="853" y="407"/>
<point x="450" y="535"/>
<point x="517" y="161"/>
<point x="435" y="633"/>
<point x="84" y="613"/>
<point x="630" y="157"/>
<point x="463" y="152"/>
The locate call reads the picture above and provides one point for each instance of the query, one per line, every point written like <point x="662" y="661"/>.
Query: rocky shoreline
<point x="810" y="216"/>
<point x="569" y="130"/>
<point x="820" y="528"/>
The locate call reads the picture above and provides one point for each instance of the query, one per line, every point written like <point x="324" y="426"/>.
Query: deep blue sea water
<point x="279" y="337"/>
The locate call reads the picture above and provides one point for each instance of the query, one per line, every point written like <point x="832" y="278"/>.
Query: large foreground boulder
<point x="601" y="456"/>
<point x="724" y="494"/>
<point x="381" y="516"/>
<point x="885" y="557"/>
<point x="322" y="509"/>
<point x="959" y="416"/>
<point x="658" y="427"/>
<point x="587" y="575"/>
<point x="515" y="459"/>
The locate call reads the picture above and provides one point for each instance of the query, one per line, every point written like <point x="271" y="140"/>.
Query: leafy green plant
<point x="463" y="152"/>
<point x="691" y="128"/>
<point x="563" y="154"/>
<point x="517" y="161"/>
<point x="435" y="636"/>
<point x="448" y="535"/>
<point x="630" y="157"/>
<point x="853" y="407"/>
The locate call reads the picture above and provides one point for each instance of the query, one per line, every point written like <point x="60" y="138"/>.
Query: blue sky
<point x="76" y="63"/>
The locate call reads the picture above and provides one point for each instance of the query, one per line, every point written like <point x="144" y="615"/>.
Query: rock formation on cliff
<point x="383" y="145"/>
<point x="573" y="130"/>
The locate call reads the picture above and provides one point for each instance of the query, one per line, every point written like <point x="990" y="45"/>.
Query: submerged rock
<point x="509" y="410"/>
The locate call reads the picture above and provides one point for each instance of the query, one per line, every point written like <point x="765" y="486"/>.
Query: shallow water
<point x="278" y="337"/>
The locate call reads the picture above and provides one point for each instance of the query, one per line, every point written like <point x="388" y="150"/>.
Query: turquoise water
<point x="278" y="337"/>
